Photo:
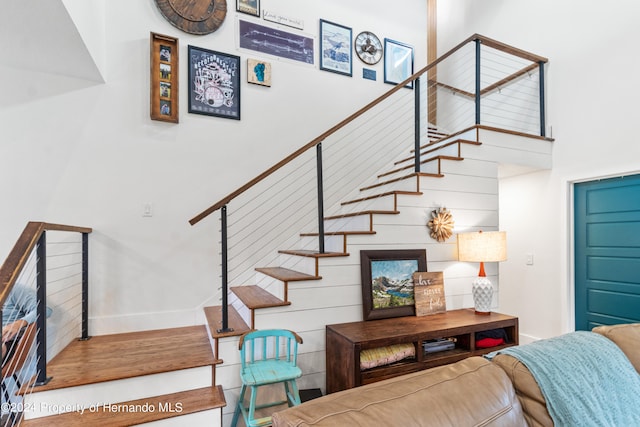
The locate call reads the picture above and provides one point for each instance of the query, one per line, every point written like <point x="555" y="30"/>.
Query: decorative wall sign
<point x="428" y="290"/>
<point x="259" y="72"/>
<point x="335" y="48"/>
<point x="441" y="224"/>
<point x="283" y="20"/>
<point x="276" y="42"/>
<point x="398" y="62"/>
<point x="214" y="80"/>
<point x="163" y="92"/>
<point x="251" y="7"/>
<point x="387" y="281"/>
<point x="369" y="74"/>
<point x="194" y="16"/>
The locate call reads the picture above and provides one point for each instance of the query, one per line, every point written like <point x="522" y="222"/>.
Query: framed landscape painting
<point x="336" y="48"/>
<point x="387" y="281"/>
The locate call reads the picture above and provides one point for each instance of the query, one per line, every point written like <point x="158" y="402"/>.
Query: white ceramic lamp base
<point x="482" y="290"/>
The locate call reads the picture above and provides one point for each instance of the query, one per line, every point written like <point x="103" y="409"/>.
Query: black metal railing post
<point x="478" y="45"/>
<point x="543" y="132"/>
<point x="320" y="199"/>
<point x="41" y="320"/>
<point x="416" y="128"/>
<point x="85" y="287"/>
<point x="225" y="268"/>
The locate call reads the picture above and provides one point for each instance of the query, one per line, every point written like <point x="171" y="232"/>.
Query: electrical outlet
<point x="147" y="210"/>
<point x="529" y="259"/>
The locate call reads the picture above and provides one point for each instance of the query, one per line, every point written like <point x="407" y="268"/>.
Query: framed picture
<point x="336" y="50"/>
<point x="276" y="42"/>
<point x="163" y="93"/>
<point x="259" y="72"/>
<point x="250" y="7"/>
<point x="398" y="62"/>
<point x="214" y="83"/>
<point x="387" y="281"/>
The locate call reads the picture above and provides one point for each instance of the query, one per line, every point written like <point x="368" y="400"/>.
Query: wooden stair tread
<point x="368" y="212"/>
<point x="340" y="233"/>
<point x="313" y="254"/>
<point x="402" y="178"/>
<point x="235" y="322"/>
<point x="388" y="193"/>
<point x="430" y="159"/>
<point x="182" y="403"/>
<point x="118" y="356"/>
<point x="286" y="275"/>
<point x="255" y="297"/>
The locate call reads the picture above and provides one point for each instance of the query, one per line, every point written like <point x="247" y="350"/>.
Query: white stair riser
<point x="351" y="223"/>
<point x="331" y="243"/>
<point x="409" y="184"/>
<point x="52" y="402"/>
<point x="379" y="203"/>
<point x="302" y="264"/>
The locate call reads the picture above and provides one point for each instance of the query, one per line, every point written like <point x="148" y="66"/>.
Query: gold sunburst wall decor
<point x="441" y="224"/>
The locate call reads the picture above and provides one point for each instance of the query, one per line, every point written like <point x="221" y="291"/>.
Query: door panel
<point x="607" y="252"/>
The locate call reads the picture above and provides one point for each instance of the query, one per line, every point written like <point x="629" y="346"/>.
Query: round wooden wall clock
<point x="194" y="16"/>
<point x="368" y="47"/>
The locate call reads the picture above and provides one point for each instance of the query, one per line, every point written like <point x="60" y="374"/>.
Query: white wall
<point x="82" y="153"/>
<point x="592" y="95"/>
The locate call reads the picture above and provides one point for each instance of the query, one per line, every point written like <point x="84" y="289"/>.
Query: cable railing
<point x="44" y="300"/>
<point x="479" y="83"/>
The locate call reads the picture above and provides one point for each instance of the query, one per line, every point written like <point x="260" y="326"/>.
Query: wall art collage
<point x="214" y="77"/>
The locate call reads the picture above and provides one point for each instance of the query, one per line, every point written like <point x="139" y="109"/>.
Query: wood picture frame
<point x="250" y="7"/>
<point x="398" y="62"/>
<point x="214" y="83"/>
<point x="387" y="281"/>
<point x="163" y="91"/>
<point x="336" y="48"/>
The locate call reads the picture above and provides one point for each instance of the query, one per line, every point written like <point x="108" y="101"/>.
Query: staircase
<point x="105" y="381"/>
<point x="308" y="289"/>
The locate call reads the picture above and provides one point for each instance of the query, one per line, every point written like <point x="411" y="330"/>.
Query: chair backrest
<point x="269" y="344"/>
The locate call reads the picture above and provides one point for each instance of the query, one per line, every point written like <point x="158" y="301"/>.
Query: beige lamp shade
<point x="482" y="246"/>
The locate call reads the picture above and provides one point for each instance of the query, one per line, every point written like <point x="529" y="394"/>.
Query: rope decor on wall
<point x="441" y="224"/>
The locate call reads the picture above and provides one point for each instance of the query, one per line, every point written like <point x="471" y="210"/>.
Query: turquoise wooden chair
<point x="267" y="357"/>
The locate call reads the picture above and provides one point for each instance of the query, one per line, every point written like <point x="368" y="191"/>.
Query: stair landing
<point x="113" y="357"/>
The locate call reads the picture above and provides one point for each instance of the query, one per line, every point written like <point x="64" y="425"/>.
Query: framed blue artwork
<point x="336" y="48"/>
<point x="398" y="62"/>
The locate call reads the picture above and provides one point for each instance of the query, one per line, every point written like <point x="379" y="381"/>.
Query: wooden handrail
<point x="17" y="258"/>
<point x="311" y="144"/>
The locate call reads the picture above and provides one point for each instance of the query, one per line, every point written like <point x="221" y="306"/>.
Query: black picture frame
<point x="336" y="48"/>
<point x="250" y="7"/>
<point x="379" y="301"/>
<point x="214" y="83"/>
<point x="398" y="62"/>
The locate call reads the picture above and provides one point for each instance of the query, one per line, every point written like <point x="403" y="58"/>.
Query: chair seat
<point x="268" y="372"/>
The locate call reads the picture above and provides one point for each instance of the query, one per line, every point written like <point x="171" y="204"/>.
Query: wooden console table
<point x="345" y="341"/>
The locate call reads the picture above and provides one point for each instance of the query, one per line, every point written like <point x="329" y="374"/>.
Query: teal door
<point x="607" y="252"/>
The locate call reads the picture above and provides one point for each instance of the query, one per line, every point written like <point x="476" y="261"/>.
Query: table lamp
<point x="479" y="246"/>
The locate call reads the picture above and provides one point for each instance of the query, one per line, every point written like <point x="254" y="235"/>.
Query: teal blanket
<point x="585" y="379"/>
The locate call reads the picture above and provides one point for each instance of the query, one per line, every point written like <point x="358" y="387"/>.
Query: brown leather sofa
<point x="472" y="392"/>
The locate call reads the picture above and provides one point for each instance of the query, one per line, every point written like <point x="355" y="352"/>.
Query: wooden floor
<point x="111" y="357"/>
